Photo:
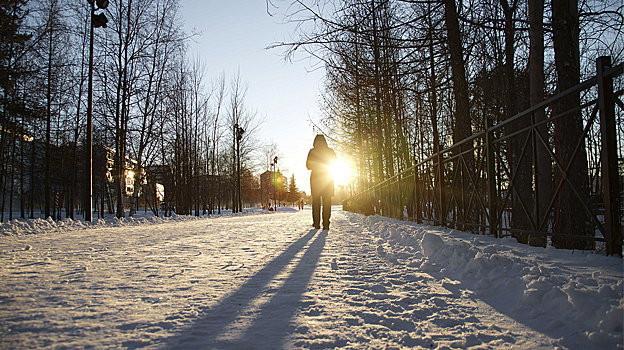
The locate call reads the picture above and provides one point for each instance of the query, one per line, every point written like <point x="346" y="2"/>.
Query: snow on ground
<point x="269" y="281"/>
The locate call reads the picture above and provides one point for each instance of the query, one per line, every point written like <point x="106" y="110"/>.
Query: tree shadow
<point x="566" y="335"/>
<point x="270" y="325"/>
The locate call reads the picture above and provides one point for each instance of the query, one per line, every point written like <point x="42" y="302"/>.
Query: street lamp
<point x="239" y="137"/>
<point x="97" y="20"/>
<point x="275" y="183"/>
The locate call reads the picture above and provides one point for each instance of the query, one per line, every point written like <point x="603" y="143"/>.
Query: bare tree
<point x="243" y="123"/>
<point x="215" y="170"/>
<point x="164" y="38"/>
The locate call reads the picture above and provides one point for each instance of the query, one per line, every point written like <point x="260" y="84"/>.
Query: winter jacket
<point x="320" y="161"/>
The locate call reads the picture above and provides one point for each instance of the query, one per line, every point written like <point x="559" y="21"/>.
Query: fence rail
<point x="516" y="177"/>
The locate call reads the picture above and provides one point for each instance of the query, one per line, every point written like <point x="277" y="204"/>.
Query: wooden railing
<point x="481" y="185"/>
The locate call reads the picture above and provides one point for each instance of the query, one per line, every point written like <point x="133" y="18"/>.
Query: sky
<point x="233" y="38"/>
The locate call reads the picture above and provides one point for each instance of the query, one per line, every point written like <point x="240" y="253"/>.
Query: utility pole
<point x="97" y="20"/>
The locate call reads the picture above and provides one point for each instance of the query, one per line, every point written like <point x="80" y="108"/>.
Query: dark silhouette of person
<point x="320" y="160"/>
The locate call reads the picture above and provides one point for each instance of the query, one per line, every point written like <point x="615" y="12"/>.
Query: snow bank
<point x="556" y="291"/>
<point x="22" y="227"/>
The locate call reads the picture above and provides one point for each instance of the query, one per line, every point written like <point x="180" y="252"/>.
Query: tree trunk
<point x="377" y="81"/>
<point x="462" y="128"/>
<point x="536" y="95"/>
<point x="47" y="180"/>
<point x="520" y="162"/>
<point x="571" y="218"/>
<point x="22" y="196"/>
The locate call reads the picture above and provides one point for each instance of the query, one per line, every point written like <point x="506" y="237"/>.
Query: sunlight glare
<point x="342" y="172"/>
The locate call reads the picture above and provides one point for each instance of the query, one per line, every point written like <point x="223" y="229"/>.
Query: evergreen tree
<point x="293" y="191"/>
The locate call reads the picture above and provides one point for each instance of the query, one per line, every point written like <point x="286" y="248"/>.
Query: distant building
<point x="159" y="178"/>
<point x="270" y="182"/>
<point x="266" y="187"/>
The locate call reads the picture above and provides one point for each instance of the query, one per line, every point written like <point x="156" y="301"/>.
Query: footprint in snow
<point x="378" y="288"/>
<point x="231" y="267"/>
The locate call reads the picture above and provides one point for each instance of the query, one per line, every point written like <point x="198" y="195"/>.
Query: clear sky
<point x="234" y="35"/>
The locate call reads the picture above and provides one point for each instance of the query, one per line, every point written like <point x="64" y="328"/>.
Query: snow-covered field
<point x="268" y="281"/>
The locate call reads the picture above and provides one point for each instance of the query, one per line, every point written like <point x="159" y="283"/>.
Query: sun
<point x="342" y="171"/>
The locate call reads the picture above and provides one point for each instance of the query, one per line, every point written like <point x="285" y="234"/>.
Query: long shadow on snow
<point x="272" y="325"/>
<point x="269" y="328"/>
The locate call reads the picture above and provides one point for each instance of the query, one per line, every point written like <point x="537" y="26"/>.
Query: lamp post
<point x="239" y="137"/>
<point x="272" y="182"/>
<point x="275" y="183"/>
<point x="97" y="20"/>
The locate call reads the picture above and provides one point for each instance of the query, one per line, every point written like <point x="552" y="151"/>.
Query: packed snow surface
<point x="268" y="281"/>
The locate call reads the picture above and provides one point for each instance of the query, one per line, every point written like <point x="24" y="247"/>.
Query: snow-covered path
<point x="269" y="281"/>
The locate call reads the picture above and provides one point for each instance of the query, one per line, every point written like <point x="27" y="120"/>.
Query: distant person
<point x="320" y="160"/>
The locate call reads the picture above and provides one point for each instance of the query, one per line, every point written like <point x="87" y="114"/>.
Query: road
<point x="264" y="281"/>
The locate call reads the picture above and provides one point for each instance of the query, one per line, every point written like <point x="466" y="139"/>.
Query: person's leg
<point x="316" y="211"/>
<point x="326" y="211"/>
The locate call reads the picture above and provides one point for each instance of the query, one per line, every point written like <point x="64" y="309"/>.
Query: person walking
<point x="320" y="161"/>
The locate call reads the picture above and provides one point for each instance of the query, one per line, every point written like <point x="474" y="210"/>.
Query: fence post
<point x="606" y="104"/>
<point x="400" y="197"/>
<point x="440" y="183"/>
<point x="396" y="198"/>
<point x="417" y="195"/>
<point x="536" y="239"/>
<point x="491" y="178"/>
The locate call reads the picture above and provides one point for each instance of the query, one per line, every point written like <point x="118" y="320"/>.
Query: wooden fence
<point x="508" y="179"/>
